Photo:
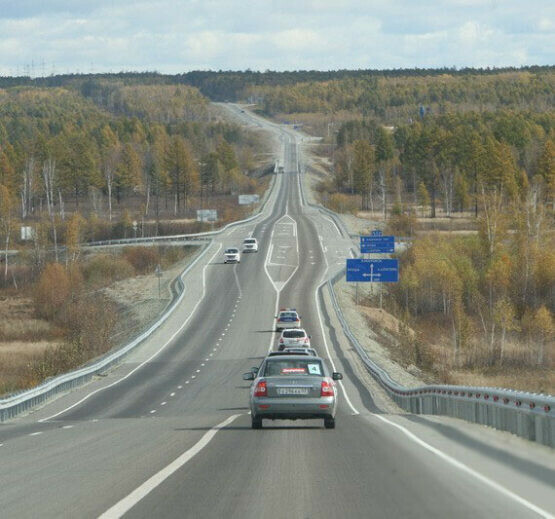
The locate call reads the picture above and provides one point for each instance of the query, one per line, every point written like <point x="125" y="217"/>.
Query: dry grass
<point x="533" y="380"/>
<point x="428" y="345"/>
<point x="16" y="361"/>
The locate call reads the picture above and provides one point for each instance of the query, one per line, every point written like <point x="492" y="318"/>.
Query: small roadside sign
<point x="377" y="244"/>
<point x="248" y="199"/>
<point x="207" y="215"/>
<point x="376" y="232"/>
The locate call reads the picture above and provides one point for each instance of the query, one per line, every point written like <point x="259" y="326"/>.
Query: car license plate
<point x="292" y="391"/>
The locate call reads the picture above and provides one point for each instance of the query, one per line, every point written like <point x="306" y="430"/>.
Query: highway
<point x="167" y="433"/>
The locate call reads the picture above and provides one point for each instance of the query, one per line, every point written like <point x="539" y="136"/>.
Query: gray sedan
<point x="291" y="387"/>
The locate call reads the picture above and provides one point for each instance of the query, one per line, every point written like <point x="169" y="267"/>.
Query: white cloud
<point x="179" y="35"/>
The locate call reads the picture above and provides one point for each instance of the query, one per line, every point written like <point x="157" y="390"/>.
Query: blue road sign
<point x="373" y="270"/>
<point x="377" y="244"/>
<point x="376" y="232"/>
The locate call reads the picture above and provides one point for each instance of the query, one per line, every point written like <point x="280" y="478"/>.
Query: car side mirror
<point x="310" y="336"/>
<point x="249" y="376"/>
<point x="337" y="376"/>
<point x="254" y="369"/>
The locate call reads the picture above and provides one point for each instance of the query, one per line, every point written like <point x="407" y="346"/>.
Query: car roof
<point x="286" y="353"/>
<point x="293" y="330"/>
<point x="249" y="238"/>
<point x="292" y="355"/>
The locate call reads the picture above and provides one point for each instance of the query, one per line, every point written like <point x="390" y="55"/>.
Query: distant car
<point x="300" y="351"/>
<point x="293" y="337"/>
<point x="291" y="387"/>
<point x="287" y="318"/>
<point x="250" y="245"/>
<point x="232" y="255"/>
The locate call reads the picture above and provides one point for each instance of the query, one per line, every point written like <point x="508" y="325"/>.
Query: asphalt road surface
<point x="167" y="433"/>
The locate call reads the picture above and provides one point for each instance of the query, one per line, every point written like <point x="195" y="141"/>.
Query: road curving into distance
<point x="168" y="434"/>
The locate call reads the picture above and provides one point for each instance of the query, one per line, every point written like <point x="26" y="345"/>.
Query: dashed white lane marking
<point x="198" y="370"/>
<point x="152" y="411"/>
<point x="214" y="349"/>
<point x="172" y="394"/>
<point x="128" y="502"/>
<point x="194" y="376"/>
<point x="67" y="426"/>
<point x="1" y="444"/>
<point x="201" y="365"/>
<point x="163" y="403"/>
<point x="94" y="420"/>
<point x="35" y="433"/>
<point x="156" y="353"/>
<point x="187" y="382"/>
<point x="179" y="387"/>
<point x="223" y="334"/>
<point x="210" y="355"/>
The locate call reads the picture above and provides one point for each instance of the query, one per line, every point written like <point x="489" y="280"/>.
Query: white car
<point x="292" y="338"/>
<point x="232" y="255"/>
<point x="250" y="245"/>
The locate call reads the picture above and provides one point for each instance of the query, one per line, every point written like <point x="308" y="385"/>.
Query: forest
<point x="479" y="294"/>
<point x="115" y="152"/>
<point x="95" y="160"/>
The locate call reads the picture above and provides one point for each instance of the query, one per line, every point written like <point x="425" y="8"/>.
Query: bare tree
<point x="27" y="187"/>
<point x="49" y="177"/>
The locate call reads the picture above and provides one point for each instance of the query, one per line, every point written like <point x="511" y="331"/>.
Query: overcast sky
<point x="57" y="36"/>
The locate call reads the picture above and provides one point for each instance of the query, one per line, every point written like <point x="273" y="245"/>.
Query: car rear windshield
<point x="293" y="334"/>
<point x="293" y="367"/>
<point x="231" y="251"/>
<point x="250" y="240"/>
<point x="288" y="315"/>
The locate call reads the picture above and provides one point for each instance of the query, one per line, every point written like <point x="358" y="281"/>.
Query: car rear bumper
<point x="293" y="408"/>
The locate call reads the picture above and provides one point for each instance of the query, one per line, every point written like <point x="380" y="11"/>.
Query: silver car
<point x="291" y="387"/>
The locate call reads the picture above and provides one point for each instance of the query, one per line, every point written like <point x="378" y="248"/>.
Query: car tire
<point x="256" y="422"/>
<point x="329" y="423"/>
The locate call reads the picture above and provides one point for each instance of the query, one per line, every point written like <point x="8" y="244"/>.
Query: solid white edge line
<point x="348" y="400"/>
<point x="467" y="469"/>
<point x="156" y="353"/>
<point x="128" y="502"/>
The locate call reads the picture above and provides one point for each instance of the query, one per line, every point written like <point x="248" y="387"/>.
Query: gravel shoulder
<point x="141" y="301"/>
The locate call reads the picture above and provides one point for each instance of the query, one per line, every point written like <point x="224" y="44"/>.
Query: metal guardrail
<point x="529" y="415"/>
<point x="186" y="237"/>
<point x="20" y="402"/>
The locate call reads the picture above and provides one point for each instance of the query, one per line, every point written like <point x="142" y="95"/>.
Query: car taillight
<point x="327" y="388"/>
<point x="261" y="389"/>
<point x="281" y="341"/>
<point x="306" y="339"/>
<point x="297" y="319"/>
